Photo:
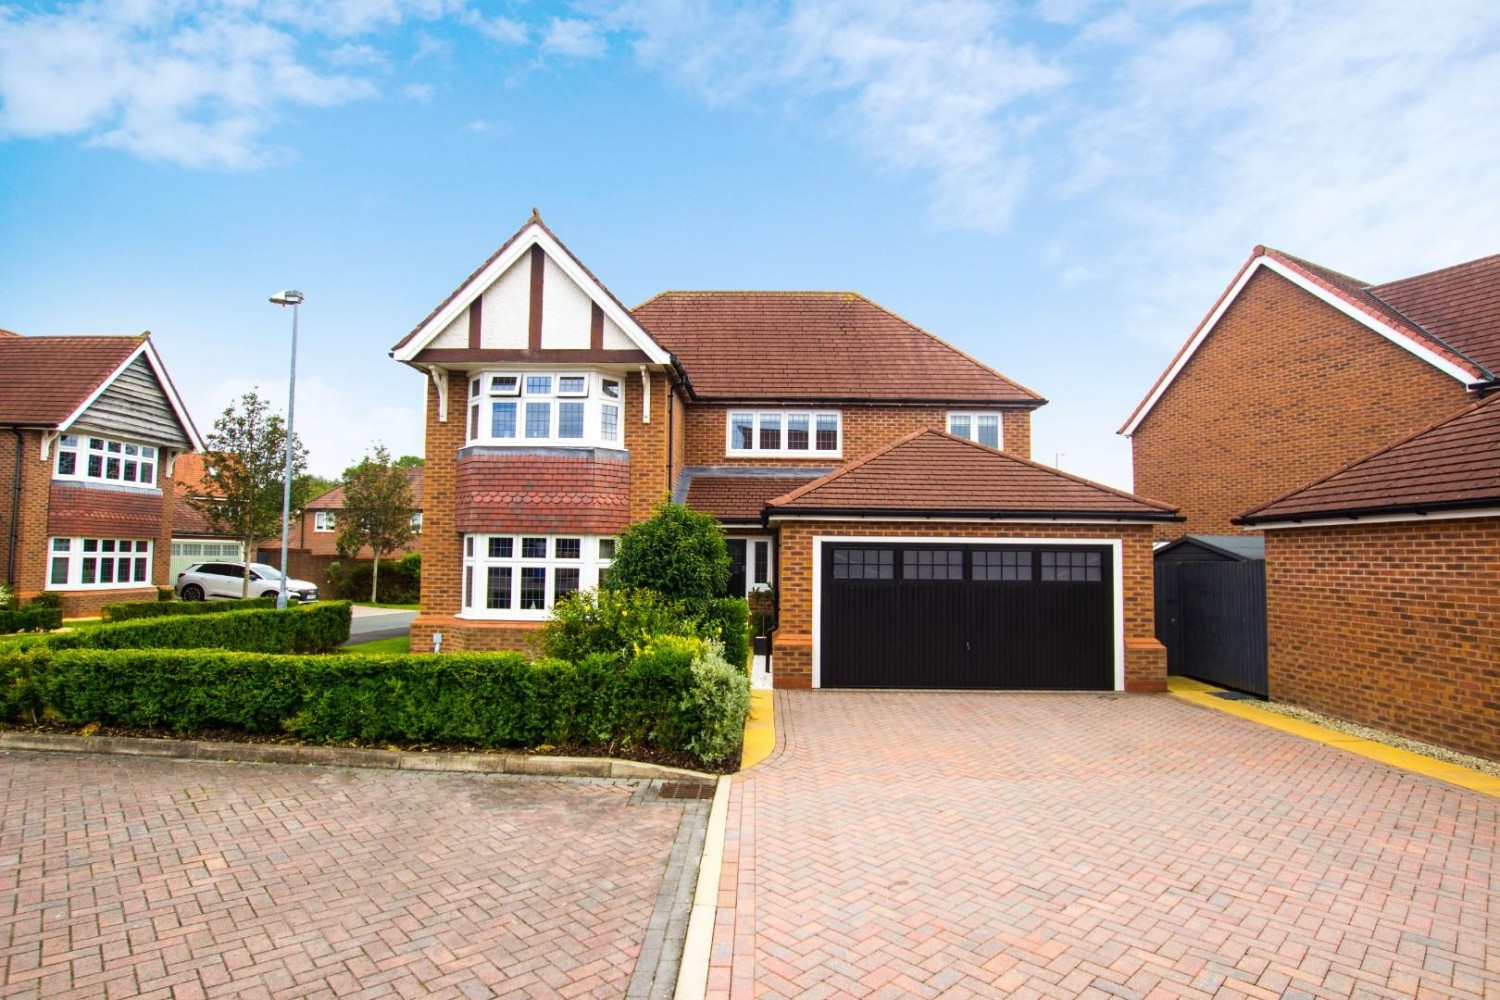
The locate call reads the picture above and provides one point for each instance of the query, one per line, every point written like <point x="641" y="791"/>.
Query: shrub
<point x="618" y="622"/>
<point x="727" y="620"/>
<point x="400" y="580"/>
<point x="30" y="620"/>
<point x="47" y="599"/>
<point x="678" y="694"/>
<point x="152" y="609"/>
<point x="313" y="628"/>
<point x="166" y="594"/>
<point x="676" y="552"/>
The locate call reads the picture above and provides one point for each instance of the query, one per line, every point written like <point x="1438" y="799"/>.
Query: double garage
<point x="1039" y="615"/>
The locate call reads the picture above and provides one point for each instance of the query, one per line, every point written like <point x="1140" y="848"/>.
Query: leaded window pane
<point x="742" y="431"/>
<point x="989" y="431"/>
<point x="770" y="432"/>
<point x="568" y="548"/>
<point x="538" y="420"/>
<point x="501" y="548"/>
<point x="570" y="420"/>
<point x="533" y="588"/>
<point x="67" y="463"/>
<point x="564" y="581"/>
<point x="503" y="420"/>
<point x="60" y="570"/>
<point x="538" y="385"/>
<point x="497" y="588"/>
<point x="533" y="548"/>
<point x="609" y="423"/>
<point x="796" y="431"/>
<point x="828" y="432"/>
<point x="958" y="425"/>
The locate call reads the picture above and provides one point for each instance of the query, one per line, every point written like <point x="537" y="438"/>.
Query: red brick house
<point x="95" y="429"/>
<point x="194" y="540"/>
<point x="1298" y="370"/>
<point x="864" y="469"/>
<point x="317" y="532"/>
<point x="1383" y="586"/>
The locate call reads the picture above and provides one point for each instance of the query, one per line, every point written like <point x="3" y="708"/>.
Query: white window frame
<point x="755" y="566"/>
<point x="483" y="396"/>
<point x="973" y="434"/>
<point x="82" y="557"/>
<point x="477" y="563"/>
<point x="325" y="520"/>
<point x="127" y="455"/>
<point x="416" y="522"/>
<point x="758" y="419"/>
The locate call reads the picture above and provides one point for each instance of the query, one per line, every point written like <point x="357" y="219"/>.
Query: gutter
<point x="919" y="515"/>
<point x="1355" y="513"/>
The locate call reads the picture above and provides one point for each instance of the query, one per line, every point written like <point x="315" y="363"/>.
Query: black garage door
<point x="1021" y="617"/>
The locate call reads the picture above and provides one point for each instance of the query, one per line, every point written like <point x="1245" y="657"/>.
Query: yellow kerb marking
<point x="1203" y="694"/>
<point x="760" y="730"/>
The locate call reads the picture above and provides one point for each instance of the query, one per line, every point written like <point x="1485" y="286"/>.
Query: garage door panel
<point x="1017" y="617"/>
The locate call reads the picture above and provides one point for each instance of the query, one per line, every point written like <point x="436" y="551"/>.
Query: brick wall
<point x="442" y="555"/>
<point x="1395" y="626"/>
<point x="460" y="636"/>
<point x="648" y="445"/>
<point x="1284" y="391"/>
<point x="305" y="536"/>
<point x="1145" y="659"/>
<point x="865" y="429"/>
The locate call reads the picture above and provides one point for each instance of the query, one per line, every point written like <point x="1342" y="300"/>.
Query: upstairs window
<point x="790" y="433"/>
<point x="323" y="520"/>
<point x="981" y="427"/>
<point x="545" y="408"/>
<point x="105" y="460"/>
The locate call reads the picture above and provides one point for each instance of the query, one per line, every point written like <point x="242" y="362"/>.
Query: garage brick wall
<point x="1285" y="390"/>
<point x="1395" y="626"/>
<point x="865" y="429"/>
<point x="1145" y="659"/>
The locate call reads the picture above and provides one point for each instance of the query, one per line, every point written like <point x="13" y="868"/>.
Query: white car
<point x="210" y="580"/>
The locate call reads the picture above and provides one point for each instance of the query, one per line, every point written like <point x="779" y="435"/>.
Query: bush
<point x="618" y="622"/>
<point x="47" y="599"/>
<point x="728" y="620"/>
<point x="313" y="628"/>
<point x="678" y="694"/>
<point x="30" y="620"/>
<point x="152" y="609"/>
<point x="676" y="552"/>
<point x="400" y="580"/>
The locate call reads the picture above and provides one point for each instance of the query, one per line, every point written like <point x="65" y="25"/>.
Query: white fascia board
<point x="184" y="420"/>
<point x="1313" y="521"/>
<point x="1116" y="545"/>
<point x="533" y="235"/>
<point x="1355" y="313"/>
<point x="1087" y="521"/>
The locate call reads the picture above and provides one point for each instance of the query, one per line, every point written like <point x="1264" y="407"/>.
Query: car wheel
<point x="270" y="593"/>
<point x="192" y="592"/>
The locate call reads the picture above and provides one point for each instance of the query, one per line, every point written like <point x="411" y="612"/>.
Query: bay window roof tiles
<point x="816" y="346"/>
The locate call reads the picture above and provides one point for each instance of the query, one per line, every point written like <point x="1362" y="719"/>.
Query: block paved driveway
<point x="124" y="877"/>
<point x="918" y="845"/>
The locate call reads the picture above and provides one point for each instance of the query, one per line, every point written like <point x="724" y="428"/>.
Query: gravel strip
<point x="1490" y="767"/>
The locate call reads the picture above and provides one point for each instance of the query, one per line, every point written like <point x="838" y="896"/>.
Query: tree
<point x="315" y="486"/>
<point x="676" y="552"/>
<point x="245" y="465"/>
<point x="377" y="510"/>
<point x="410" y="462"/>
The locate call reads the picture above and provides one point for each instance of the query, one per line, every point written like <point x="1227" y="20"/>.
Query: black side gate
<point x="1211" y="616"/>
<point x="1032" y="617"/>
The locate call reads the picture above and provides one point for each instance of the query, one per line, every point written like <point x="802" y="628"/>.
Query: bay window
<point x="87" y="458"/>
<point x="99" y="563"/>
<point x="522" y="576"/>
<point x="545" y="408"/>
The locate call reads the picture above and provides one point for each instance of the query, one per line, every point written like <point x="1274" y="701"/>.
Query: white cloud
<point x="498" y="29"/>
<point x="573" y="38"/>
<point x="420" y="92"/>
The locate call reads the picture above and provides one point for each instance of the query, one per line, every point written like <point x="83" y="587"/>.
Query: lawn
<point x="395" y="644"/>
<point x="388" y="607"/>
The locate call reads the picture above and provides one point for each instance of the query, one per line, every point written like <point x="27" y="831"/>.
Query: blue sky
<point x="1061" y="188"/>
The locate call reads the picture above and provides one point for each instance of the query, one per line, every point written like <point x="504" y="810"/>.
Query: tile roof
<point x="815" y="346"/>
<point x="43" y="380"/>
<point x="1460" y="304"/>
<point x="731" y="497"/>
<point x="1452" y="464"/>
<point x="334" y="498"/>
<point x="929" y="472"/>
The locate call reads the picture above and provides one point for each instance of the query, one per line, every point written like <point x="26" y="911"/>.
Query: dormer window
<point x="545" y="408"/>
<point x="789" y="433"/>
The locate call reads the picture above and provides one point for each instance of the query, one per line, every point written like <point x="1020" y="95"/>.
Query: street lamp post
<point x="293" y="299"/>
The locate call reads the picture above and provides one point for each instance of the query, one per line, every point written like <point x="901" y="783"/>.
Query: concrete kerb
<point x="398" y="760"/>
<point x="1206" y="696"/>
<point x="692" y="974"/>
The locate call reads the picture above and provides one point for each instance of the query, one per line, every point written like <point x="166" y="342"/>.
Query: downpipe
<point x="15" y="511"/>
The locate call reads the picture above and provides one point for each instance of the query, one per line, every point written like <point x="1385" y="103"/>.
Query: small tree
<point x="676" y="552"/>
<point x="245" y="463"/>
<point x="377" y="510"/>
<point x="409" y="462"/>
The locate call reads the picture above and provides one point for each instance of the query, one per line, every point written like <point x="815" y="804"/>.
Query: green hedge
<point x="729" y="617"/>
<point x="313" y="628"/>
<point x="31" y="620"/>
<point x="157" y="609"/>
<point x="678" y="694"/>
<point x="400" y="580"/>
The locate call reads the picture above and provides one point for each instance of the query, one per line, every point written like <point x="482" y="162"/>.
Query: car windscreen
<point x="266" y="572"/>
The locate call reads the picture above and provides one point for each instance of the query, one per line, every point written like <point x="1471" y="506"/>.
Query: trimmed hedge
<point x="678" y="694"/>
<point x="158" y="609"/>
<point x="730" y="618"/>
<point x="31" y="620"/>
<point x="313" y="628"/>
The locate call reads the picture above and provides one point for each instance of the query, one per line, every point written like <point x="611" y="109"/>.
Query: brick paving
<point x="922" y="845"/>
<point x="159" y="878"/>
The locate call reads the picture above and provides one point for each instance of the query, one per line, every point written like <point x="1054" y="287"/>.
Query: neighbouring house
<point x="1383" y="586"/>
<point x="312" y="542"/>
<point x="1298" y="370"/>
<point x="874" y="478"/>
<point x="95" y="431"/>
<point x="194" y="540"/>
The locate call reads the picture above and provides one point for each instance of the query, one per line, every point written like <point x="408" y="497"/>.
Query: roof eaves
<point x="976" y="513"/>
<point x="1355" y="513"/>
